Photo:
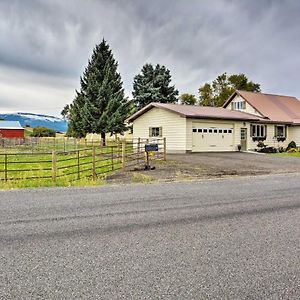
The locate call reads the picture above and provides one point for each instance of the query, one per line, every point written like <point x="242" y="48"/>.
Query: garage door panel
<point x="212" y="137"/>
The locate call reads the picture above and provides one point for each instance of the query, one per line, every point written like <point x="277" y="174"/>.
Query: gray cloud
<point x="195" y="39"/>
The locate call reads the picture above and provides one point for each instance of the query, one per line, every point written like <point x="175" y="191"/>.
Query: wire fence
<point x="90" y="162"/>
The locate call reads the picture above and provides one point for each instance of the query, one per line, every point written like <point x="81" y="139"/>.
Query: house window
<point x="280" y="131"/>
<point x="199" y="130"/>
<point x="258" y="131"/>
<point x="238" y="105"/>
<point x="194" y="129"/>
<point x="155" y="131"/>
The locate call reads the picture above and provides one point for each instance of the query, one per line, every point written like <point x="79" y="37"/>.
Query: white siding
<point x="295" y="134"/>
<point x="249" y="109"/>
<point x="173" y="128"/>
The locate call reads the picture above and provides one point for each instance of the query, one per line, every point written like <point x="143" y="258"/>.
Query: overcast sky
<point x="45" y="44"/>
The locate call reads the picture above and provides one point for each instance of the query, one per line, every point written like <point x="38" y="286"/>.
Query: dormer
<point x="237" y="102"/>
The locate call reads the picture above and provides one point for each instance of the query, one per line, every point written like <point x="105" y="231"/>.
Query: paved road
<point x="219" y="239"/>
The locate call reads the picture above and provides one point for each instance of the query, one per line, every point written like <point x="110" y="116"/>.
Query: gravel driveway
<point x="193" y="166"/>
<point x="239" y="163"/>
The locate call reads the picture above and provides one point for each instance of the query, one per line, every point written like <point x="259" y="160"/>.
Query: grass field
<point x="71" y="168"/>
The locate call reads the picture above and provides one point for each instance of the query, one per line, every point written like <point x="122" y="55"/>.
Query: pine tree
<point x="153" y="85"/>
<point x="100" y="106"/>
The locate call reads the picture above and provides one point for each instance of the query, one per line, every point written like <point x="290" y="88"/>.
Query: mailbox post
<point x="149" y="148"/>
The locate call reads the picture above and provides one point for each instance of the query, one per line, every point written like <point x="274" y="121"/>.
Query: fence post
<point x="54" y="166"/>
<point x="123" y="155"/>
<point x="165" y="149"/>
<point x="138" y="150"/>
<point x="94" y="163"/>
<point x="146" y="156"/>
<point x="5" y="167"/>
<point x="78" y="165"/>
<point x="112" y="158"/>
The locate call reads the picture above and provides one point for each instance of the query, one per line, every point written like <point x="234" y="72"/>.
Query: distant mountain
<point x="34" y="120"/>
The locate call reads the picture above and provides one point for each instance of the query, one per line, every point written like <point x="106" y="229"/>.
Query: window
<point x="238" y="105"/>
<point x="220" y="130"/>
<point x="210" y="130"/>
<point x="215" y="130"/>
<point x="204" y="130"/>
<point x="258" y="131"/>
<point x="280" y="131"/>
<point x="194" y="129"/>
<point x="229" y="131"/>
<point x="200" y="130"/>
<point x="225" y="130"/>
<point x="155" y="131"/>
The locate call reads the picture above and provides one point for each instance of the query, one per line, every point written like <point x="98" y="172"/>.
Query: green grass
<point x="294" y="154"/>
<point x="35" y="169"/>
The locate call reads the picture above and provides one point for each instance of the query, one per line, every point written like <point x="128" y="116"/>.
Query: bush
<point x="268" y="150"/>
<point x="41" y="131"/>
<point x="292" y="150"/>
<point x="291" y="145"/>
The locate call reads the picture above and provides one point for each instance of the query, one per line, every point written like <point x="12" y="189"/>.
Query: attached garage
<point x="190" y="128"/>
<point x="216" y="137"/>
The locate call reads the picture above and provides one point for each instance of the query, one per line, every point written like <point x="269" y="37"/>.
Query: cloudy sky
<point x="45" y="44"/>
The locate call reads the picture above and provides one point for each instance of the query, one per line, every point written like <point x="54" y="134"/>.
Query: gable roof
<point x="10" y="125"/>
<point x="195" y="111"/>
<point x="276" y="108"/>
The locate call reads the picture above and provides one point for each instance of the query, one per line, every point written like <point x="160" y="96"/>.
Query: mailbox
<point x="151" y="147"/>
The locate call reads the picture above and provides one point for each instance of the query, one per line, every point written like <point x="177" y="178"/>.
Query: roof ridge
<point x="267" y="94"/>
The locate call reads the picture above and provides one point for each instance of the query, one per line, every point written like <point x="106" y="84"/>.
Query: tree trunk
<point x="103" y="142"/>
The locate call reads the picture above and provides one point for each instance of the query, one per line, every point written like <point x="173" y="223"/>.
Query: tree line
<point x="100" y="105"/>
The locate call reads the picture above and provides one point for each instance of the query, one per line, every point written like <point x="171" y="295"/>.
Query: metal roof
<point x="276" y="108"/>
<point x="10" y="125"/>
<point x="196" y="111"/>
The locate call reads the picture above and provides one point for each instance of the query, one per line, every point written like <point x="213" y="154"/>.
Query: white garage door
<point x="212" y="137"/>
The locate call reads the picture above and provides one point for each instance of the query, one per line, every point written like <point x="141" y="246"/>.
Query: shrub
<point x="268" y="150"/>
<point x="292" y="150"/>
<point x="291" y="145"/>
<point x="261" y="144"/>
<point x="41" y="131"/>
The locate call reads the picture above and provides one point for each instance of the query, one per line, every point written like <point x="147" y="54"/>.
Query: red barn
<point x="11" y="129"/>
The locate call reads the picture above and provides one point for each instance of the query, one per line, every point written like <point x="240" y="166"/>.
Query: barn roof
<point x="10" y="125"/>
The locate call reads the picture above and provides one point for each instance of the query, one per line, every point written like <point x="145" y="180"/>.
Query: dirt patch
<point x="208" y="165"/>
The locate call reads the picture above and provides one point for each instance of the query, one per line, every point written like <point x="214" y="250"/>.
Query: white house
<point x="245" y="119"/>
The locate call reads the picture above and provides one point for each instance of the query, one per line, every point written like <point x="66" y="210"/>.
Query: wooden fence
<point x="76" y="164"/>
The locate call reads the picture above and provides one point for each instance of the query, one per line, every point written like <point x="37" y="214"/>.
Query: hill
<point x="34" y="120"/>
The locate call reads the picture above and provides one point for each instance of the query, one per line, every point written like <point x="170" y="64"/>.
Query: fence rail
<point x="86" y="162"/>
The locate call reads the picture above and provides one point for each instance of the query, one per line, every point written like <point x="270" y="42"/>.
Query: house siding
<point x="249" y="109"/>
<point x="294" y="134"/>
<point x="173" y="128"/>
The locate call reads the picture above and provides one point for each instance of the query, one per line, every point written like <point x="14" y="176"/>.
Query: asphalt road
<point x="219" y="239"/>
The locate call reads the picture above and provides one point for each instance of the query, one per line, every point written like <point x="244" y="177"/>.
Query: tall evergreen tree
<point x="217" y="92"/>
<point x="153" y="85"/>
<point x="100" y="106"/>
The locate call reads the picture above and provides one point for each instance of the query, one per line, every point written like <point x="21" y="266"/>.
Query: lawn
<point x="294" y="154"/>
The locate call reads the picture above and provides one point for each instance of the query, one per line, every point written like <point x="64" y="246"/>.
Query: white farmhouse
<point x="245" y="119"/>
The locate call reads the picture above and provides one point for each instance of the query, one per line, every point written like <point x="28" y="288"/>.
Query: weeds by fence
<point x="90" y="162"/>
